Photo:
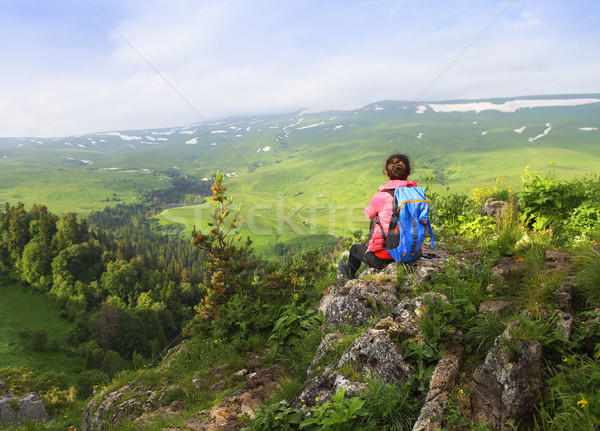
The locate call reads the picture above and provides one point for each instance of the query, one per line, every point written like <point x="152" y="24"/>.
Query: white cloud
<point x="231" y="58"/>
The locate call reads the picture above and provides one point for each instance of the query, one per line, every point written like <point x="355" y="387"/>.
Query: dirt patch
<point x="259" y="387"/>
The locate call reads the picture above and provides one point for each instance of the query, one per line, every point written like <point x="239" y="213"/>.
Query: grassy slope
<point x="24" y="310"/>
<point x="326" y="177"/>
<point x="312" y="183"/>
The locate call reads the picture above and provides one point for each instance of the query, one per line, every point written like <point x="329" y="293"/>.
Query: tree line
<point x="127" y="287"/>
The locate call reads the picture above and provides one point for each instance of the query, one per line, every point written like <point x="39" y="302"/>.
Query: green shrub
<point x="588" y="279"/>
<point x="295" y="321"/>
<point x="573" y="398"/>
<point x="391" y="407"/>
<point x="480" y="338"/>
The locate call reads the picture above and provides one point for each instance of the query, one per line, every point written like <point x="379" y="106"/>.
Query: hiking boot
<point x="343" y="274"/>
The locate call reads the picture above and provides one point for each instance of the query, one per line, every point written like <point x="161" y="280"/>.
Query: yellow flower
<point x="527" y="167"/>
<point x="564" y="359"/>
<point x="460" y="391"/>
<point x="318" y="398"/>
<point x="582" y="403"/>
<point x="552" y="162"/>
<point x="276" y="418"/>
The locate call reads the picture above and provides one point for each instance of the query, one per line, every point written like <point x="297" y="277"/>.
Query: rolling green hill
<point x="305" y="177"/>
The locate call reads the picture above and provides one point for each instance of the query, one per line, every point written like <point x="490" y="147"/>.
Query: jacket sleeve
<point x="376" y="204"/>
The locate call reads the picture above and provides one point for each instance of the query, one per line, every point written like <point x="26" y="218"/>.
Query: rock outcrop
<point x="17" y="409"/>
<point x="374" y="354"/>
<point x="492" y="207"/>
<point x="505" y="388"/>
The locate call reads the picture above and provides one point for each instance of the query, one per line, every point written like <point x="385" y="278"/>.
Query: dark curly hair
<point x="397" y="166"/>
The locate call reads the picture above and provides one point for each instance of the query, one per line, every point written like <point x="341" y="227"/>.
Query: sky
<point x="81" y="66"/>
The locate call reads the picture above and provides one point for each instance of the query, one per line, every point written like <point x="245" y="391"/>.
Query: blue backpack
<point x="410" y="218"/>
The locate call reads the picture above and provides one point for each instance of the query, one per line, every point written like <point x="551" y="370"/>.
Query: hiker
<point x="374" y="253"/>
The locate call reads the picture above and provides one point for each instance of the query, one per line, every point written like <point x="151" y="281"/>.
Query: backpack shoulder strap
<point x="391" y="192"/>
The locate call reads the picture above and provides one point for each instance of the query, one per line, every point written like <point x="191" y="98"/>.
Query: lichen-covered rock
<point x="15" y="410"/>
<point x="505" y="388"/>
<point x="7" y="412"/>
<point x="375" y="356"/>
<point x="95" y="414"/>
<point x="31" y="408"/>
<point x="328" y="343"/>
<point x="508" y="267"/>
<point x="442" y="381"/>
<point x="565" y="324"/>
<point x="492" y="207"/>
<point x="497" y="306"/>
<point x="360" y="300"/>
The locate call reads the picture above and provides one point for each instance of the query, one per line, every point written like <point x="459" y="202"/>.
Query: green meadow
<point x="22" y="313"/>
<point x="303" y="179"/>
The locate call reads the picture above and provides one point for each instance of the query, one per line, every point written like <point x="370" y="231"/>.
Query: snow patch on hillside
<point x="338" y="127"/>
<point x="421" y="109"/>
<point x="508" y="106"/>
<point x="484" y="132"/>
<point x="588" y="129"/>
<point x="192" y="141"/>
<point x="420" y="135"/>
<point x="544" y="133"/>
<point x="218" y="131"/>
<point x="312" y="125"/>
<point x="187" y="132"/>
<point x="520" y="130"/>
<point x="123" y="137"/>
<point x="294" y="124"/>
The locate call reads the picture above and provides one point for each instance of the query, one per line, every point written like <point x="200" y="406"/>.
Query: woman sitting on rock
<point x="374" y="254"/>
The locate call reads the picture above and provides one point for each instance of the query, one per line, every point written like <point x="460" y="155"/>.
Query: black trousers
<point x="359" y="254"/>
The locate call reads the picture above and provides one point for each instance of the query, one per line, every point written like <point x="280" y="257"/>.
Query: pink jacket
<point x="382" y="204"/>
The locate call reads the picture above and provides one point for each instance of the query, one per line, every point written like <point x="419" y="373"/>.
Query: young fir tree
<point x="229" y="260"/>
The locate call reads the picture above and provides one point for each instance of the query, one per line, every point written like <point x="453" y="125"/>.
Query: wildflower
<point x="552" y="162"/>
<point x="303" y="406"/>
<point x="565" y="359"/>
<point x="461" y="392"/>
<point x="318" y="398"/>
<point x="582" y="403"/>
<point x="276" y="418"/>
